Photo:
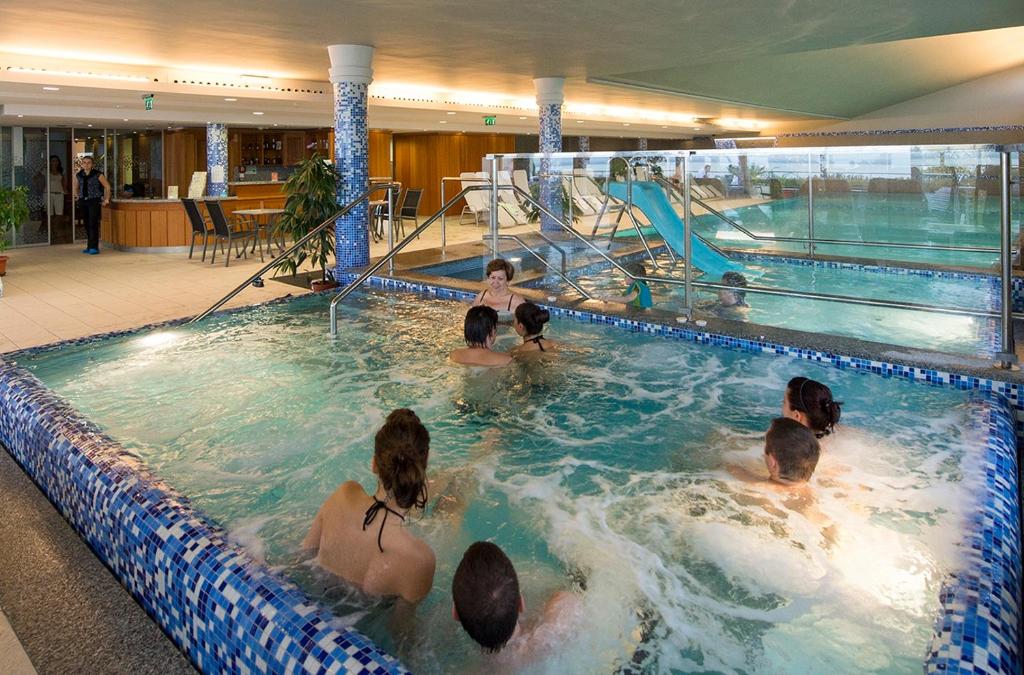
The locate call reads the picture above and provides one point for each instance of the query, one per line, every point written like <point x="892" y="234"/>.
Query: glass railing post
<point x="810" y="214"/>
<point x="687" y="234"/>
<point x="391" y="231"/>
<point x="442" y="220"/>
<point x="494" y="205"/>
<point x="1006" y="355"/>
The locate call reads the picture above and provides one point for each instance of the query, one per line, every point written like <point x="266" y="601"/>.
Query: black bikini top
<point x="509" y="299"/>
<point x="536" y="340"/>
<point x="371" y="513"/>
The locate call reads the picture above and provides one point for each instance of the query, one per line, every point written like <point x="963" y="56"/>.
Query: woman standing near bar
<point x="92" y="192"/>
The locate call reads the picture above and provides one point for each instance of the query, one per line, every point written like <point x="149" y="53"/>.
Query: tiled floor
<point x="55" y="293"/>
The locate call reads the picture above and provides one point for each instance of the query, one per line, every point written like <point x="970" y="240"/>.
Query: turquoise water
<point x="604" y="473"/>
<point x="976" y="336"/>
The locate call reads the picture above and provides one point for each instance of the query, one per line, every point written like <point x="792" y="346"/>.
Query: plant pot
<point x="3" y="265"/>
<point x="322" y="285"/>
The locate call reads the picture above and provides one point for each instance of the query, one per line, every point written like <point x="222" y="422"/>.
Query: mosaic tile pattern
<point x="216" y="160"/>
<point x="583" y="143"/>
<point x="977" y="629"/>
<point x="550" y="186"/>
<point x="225" y="611"/>
<point x="352" y="158"/>
<point x="893" y="132"/>
<point x="641" y="144"/>
<point x="725" y="144"/>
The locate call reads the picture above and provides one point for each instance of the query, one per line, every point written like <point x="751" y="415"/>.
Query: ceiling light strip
<point x="73" y="73"/>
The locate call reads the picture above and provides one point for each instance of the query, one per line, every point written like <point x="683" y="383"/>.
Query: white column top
<point x="351" y="63"/>
<point x="550" y="90"/>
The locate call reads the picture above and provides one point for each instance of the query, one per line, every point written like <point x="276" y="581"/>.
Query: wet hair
<point x="501" y="265"/>
<point x="532" y="317"/>
<point x="815" y="400"/>
<point x="738" y="280"/>
<point x="481" y="321"/>
<point x="794" y="447"/>
<point x="485" y="590"/>
<point x="400" y="452"/>
<point x="636" y="268"/>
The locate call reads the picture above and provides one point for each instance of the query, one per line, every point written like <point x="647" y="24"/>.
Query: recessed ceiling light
<point x="696" y="128"/>
<point x="88" y="125"/>
<point x="124" y="119"/>
<point x="523" y="118"/>
<point x="449" y="113"/>
<point x="664" y="126"/>
<point x="625" y="124"/>
<point x="20" y="115"/>
<point x="579" y="121"/>
<point x="275" y="125"/>
<point x="231" y="99"/>
<point x="443" y="122"/>
<point x="257" y="113"/>
<point x="52" y="88"/>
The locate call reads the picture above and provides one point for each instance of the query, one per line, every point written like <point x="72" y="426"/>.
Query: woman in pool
<point x="497" y="295"/>
<point x="362" y="537"/>
<point x="529" y="323"/>
<point x="480" y="330"/>
<point x="810" y="403"/>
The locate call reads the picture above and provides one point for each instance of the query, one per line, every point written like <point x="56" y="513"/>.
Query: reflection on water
<point x="603" y="472"/>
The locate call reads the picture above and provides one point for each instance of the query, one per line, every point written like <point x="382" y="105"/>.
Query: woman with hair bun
<point x="362" y="537"/>
<point x="811" y="404"/>
<point x="529" y="323"/>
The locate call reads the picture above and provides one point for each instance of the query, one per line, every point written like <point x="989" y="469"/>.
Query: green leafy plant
<point x="312" y="198"/>
<point x="13" y="212"/>
<point x="533" y="213"/>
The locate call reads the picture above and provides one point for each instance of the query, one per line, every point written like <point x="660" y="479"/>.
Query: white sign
<point x="197" y="186"/>
<point x="217" y="174"/>
<point x="172" y="191"/>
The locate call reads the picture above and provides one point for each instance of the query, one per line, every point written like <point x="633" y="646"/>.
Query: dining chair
<point x="224" y="234"/>
<point x="200" y="226"/>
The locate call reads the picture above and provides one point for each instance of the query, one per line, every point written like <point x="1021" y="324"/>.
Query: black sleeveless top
<point x="89" y="186"/>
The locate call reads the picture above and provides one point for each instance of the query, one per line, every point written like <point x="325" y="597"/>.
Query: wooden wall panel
<point x="184" y="153"/>
<point x="158" y="228"/>
<point x="421" y="160"/>
<point x="380" y="153"/>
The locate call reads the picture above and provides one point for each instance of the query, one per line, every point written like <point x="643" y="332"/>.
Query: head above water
<point x="485" y="592"/>
<point x="791" y="451"/>
<point x="531" y="318"/>
<point x="400" y="453"/>
<point x="501" y="265"/>
<point x="636" y="268"/>
<point x="737" y="297"/>
<point x="481" y="326"/>
<point x="810" y="403"/>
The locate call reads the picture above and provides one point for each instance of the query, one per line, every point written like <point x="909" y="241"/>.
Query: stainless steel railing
<point x="561" y="273"/>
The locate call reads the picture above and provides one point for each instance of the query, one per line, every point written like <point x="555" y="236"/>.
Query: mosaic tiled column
<point x="549" y="105"/>
<point x="583" y="143"/>
<point x="216" y="160"/>
<point x="641" y="144"/>
<point x="351" y="74"/>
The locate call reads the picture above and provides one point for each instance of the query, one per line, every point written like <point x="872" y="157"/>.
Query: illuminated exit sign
<point x="147" y="100"/>
<point x="490" y="120"/>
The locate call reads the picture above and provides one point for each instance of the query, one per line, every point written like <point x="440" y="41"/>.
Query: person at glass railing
<point x="497" y="295"/>
<point x="480" y="330"/>
<point x="362" y="537"/>
<point x="811" y="404"/>
<point x="729" y="303"/>
<point x="638" y="294"/>
<point x="529" y="324"/>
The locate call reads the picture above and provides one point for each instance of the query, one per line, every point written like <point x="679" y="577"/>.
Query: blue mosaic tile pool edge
<point x="224" y="610"/>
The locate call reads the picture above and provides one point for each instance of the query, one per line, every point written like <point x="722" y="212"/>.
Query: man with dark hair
<point x="791" y="451"/>
<point x="488" y="604"/>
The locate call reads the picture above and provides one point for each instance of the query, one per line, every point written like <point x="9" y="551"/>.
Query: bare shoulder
<point x="479" y="298"/>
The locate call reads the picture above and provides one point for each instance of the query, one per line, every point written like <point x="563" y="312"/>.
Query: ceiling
<point x="736" y="64"/>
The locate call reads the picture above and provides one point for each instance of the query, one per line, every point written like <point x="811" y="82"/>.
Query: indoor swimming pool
<point x="607" y="472"/>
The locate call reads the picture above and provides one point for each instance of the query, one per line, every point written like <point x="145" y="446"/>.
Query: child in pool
<point x="480" y="330"/>
<point x="638" y="294"/>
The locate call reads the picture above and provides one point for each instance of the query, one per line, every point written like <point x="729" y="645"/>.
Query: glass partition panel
<point x="59" y="186"/>
<point x="30" y="169"/>
<point x="138" y="164"/>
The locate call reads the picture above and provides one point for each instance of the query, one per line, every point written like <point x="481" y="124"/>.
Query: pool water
<point x="473" y="269"/>
<point x="605" y="472"/>
<point x="976" y="336"/>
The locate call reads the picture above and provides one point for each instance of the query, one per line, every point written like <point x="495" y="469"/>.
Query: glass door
<point x="58" y="187"/>
<point x="30" y="170"/>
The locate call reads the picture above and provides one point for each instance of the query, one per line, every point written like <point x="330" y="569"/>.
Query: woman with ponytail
<point x="811" y="404"/>
<point x="361" y="537"/>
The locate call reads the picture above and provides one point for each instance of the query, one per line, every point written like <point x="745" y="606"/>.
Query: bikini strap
<point x="371" y="513"/>
<point x="536" y="340"/>
<point x="510" y="301"/>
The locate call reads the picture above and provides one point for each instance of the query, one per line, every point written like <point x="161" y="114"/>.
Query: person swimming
<point x="730" y="304"/>
<point x="791" y="452"/>
<point x="810" y="403"/>
<point x="361" y="537"/>
<point x="638" y="294"/>
<point x="529" y="324"/>
<point x="480" y="330"/>
<point x="497" y="295"/>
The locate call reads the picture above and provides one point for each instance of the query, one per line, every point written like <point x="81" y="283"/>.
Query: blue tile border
<point x="227" y="612"/>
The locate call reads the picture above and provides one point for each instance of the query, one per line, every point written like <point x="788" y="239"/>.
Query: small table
<point x="269" y="217"/>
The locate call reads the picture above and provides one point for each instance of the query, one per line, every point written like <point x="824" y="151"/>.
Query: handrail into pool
<point x="316" y="230"/>
<point x="370" y="271"/>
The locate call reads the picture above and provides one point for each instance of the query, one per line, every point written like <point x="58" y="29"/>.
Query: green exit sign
<point x="147" y="100"/>
<point x="490" y="120"/>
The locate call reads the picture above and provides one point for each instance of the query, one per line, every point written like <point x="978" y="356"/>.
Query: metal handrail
<point x="295" y="246"/>
<point x="512" y="237"/>
<point x="674" y="193"/>
<point x="805" y="240"/>
<point x="370" y="271"/>
<point x="769" y="291"/>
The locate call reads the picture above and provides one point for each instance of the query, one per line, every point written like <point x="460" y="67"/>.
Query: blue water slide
<point x="651" y="199"/>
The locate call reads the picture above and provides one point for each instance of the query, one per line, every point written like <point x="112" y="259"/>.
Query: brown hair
<point x="400" y="451"/>
<point x="794" y="447"/>
<point x="500" y="264"/>
<point x="532" y="317"/>
<point x="485" y="590"/>
<point x="814" y="399"/>
<point x="480" y="322"/>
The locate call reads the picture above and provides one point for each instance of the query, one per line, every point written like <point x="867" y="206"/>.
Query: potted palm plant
<point x="312" y="198"/>
<point x="13" y="212"/>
